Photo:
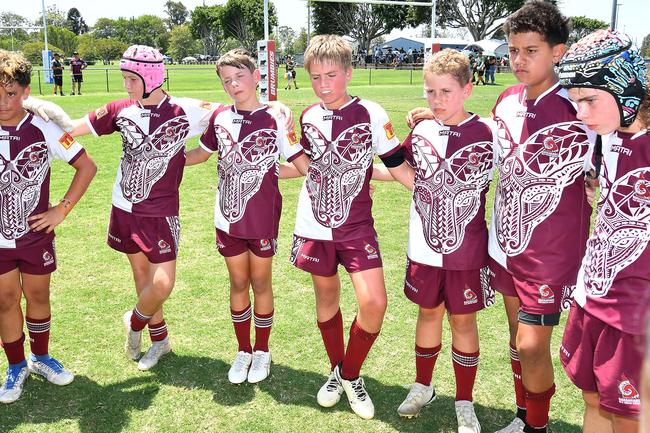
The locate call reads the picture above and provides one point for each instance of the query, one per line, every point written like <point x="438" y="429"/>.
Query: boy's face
<point x="597" y="109"/>
<point x="446" y="97"/>
<point x="133" y="85"/>
<point x="532" y="58"/>
<point x="240" y="85"/>
<point x="330" y="83"/>
<point x="11" y="103"/>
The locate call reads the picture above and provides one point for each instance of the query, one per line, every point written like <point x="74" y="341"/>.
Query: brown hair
<point x="450" y="62"/>
<point x="540" y="17"/>
<point x="238" y="58"/>
<point x="644" y="116"/>
<point x="14" y="68"/>
<point x="331" y="48"/>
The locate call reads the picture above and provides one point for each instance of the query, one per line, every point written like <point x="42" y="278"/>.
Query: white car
<point x="189" y="59"/>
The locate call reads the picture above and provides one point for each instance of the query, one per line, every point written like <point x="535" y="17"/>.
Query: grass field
<point x="189" y="391"/>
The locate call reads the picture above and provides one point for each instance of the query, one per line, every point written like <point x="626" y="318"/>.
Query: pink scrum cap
<point x="147" y="63"/>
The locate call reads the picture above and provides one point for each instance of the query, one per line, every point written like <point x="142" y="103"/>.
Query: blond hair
<point x="331" y="48"/>
<point x="449" y="62"/>
<point x="14" y="68"/>
<point x="238" y="58"/>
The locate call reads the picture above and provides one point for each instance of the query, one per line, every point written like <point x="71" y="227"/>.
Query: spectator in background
<point x="481" y="64"/>
<point x="57" y="72"/>
<point x="490" y="69"/>
<point x="76" y="66"/>
<point x="291" y="73"/>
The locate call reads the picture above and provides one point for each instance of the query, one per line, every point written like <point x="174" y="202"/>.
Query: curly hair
<point x="331" y="48"/>
<point x="449" y="62"/>
<point x="540" y="17"/>
<point x="238" y="58"/>
<point x="14" y="68"/>
<point x="644" y="116"/>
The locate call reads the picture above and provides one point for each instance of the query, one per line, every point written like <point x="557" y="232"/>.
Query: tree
<point x="62" y="38"/>
<point x="324" y="17"/>
<point x="177" y="14"/>
<point x="105" y="28"/>
<point x="181" y="42"/>
<point x="300" y="44"/>
<point x="206" y="25"/>
<point x="33" y="52"/>
<point x="581" y="26"/>
<point x="75" y="23"/>
<point x="645" y="47"/>
<point x="243" y="21"/>
<point x="55" y="17"/>
<point x="285" y="36"/>
<point x="12" y="38"/>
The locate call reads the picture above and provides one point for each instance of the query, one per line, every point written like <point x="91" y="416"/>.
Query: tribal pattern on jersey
<point x="175" y="228"/>
<point x="532" y="177"/>
<point x="146" y="157"/>
<point x="242" y="168"/>
<point x="447" y="192"/>
<point x="20" y="188"/>
<point x="622" y="231"/>
<point x="337" y="172"/>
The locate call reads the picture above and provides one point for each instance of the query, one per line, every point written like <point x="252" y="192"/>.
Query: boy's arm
<point x="47" y="111"/>
<point x="48" y="220"/>
<point x="380" y="172"/>
<point x="197" y="156"/>
<point x="296" y="168"/>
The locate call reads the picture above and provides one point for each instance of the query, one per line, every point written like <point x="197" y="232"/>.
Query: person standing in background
<point x="76" y="66"/>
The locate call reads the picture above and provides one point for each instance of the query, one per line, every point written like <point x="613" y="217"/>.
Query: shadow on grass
<point x="97" y="408"/>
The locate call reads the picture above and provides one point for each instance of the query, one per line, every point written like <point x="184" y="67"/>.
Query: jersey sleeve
<point x="384" y="140"/>
<point x="198" y="112"/>
<point x="208" y="140"/>
<point x="407" y="145"/>
<point x="60" y="144"/>
<point x="590" y="158"/>
<point x="102" y="120"/>
<point x="288" y="142"/>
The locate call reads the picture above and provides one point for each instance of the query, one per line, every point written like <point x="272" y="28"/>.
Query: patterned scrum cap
<point x="607" y="60"/>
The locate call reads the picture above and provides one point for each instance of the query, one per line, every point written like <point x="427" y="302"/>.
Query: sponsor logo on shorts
<point x="114" y="238"/>
<point x="410" y="286"/>
<point x="372" y="252"/>
<point x="48" y="258"/>
<point x="564" y="351"/>
<point x="309" y="258"/>
<point x="470" y="296"/>
<point x="164" y="247"/>
<point x="629" y="394"/>
<point x="265" y="245"/>
<point x="546" y="295"/>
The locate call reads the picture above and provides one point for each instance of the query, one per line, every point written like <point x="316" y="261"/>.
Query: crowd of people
<point x="552" y="139"/>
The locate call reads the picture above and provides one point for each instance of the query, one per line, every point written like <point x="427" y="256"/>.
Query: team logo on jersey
<point x="66" y="140"/>
<point x="470" y="296"/>
<point x="546" y="295"/>
<point x="260" y="141"/>
<point x="388" y="128"/>
<point x="550" y="147"/>
<point x="164" y="247"/>
<point x="293" y="139"/>
<point x="48" y="258"/>
<point x="371" y="251"/>
<point x="101" y="112"/>
<point x="169" y="132"/>
<point x="621" y="234"/>
<point x="628" y="393"/>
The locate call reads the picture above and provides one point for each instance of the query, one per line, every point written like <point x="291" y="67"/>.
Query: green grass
<point x="188" y="391"/>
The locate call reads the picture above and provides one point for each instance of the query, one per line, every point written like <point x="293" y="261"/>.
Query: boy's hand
<point x="47" y="111"/>
<point x="47" y="220"/>
<point x="285" y="111"/>
<point x="591" y="188"/>
<point x="414" y="116"/>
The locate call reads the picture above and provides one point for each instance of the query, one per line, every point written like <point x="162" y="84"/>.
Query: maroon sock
<point x="332" y="333"/>
<point x="425" y="361"/>
<point x="241" y="320"/>
<point x="359" y="345"/>
<point x="537" y="407"/>
<point x="263" y="324"/>
<point x="15" y="351"/>
<point x="138" y="320"/>
<point x="520" y="396"/>
<point x="465" y="366"/>
<point x="39" y="335"/>
<point x="158" y="331"/>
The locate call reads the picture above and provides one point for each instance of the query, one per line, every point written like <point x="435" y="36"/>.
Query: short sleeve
<point x="60" y="144"/>
<point x="208" y="140"/>
<point x="288" y="143"/>
<point x="102" y="120"/>
<point x="198" y="112"/>
<point x="407" y="145"/>
<point x="384" y="139"/>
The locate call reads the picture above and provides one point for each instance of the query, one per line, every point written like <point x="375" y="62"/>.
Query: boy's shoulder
<point x="518" y="90"/>
<point x="38" y="129"/>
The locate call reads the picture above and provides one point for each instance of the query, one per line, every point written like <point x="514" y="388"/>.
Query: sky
<point x="293" y="13"/>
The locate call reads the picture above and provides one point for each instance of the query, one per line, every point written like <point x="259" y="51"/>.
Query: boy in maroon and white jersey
<point x="334" y="223"/>
<point x="602" y="348"/>
<point x="249" y="139"/>
<point x="144" y="220"/>
<point x="77" y="65"/>
<point x="27" y="222"/>
<point x="453" y="158"/>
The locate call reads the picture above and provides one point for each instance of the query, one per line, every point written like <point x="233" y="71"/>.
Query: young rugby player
<point x="27" y="257"/>
<point x="602" y="349"/>
<point x="144" y="220"/>
<point x="453" y="158"/>
<point x="249" y="138"/>
<point x="334" y="222"/>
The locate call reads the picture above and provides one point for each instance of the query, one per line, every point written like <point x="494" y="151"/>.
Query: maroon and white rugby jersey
<point x="335" y="202"/>
<point x="541" y="215"/>
<point x="249" y="144"/>
<point x="453" y="168"/>
<point x="614" y="279"/>
<point x="26" y="152"/>
<point x="153" y="144"/>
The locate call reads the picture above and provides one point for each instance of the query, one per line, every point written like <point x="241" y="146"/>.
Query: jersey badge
<point x="66" y="140"/>
<point x="388" y="128"/>
<point x="293" y="139"/>
<point x="101" y="112"/>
